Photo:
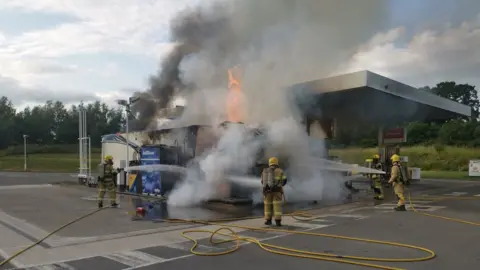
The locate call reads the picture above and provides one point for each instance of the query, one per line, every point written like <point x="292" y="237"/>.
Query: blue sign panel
<point x="150" y="153"/>
<point x="151" y="181"/>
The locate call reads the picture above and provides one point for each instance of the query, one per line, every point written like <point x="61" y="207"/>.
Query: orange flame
<point x="234" y="102"/>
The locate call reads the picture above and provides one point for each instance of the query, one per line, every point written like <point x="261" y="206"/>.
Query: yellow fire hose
<point x="227" y="231"/>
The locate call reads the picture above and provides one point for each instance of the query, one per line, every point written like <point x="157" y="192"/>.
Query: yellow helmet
<point x="376" y="156"/>
<point x="395" y="158"/>
<point x="108" y="157"/>
<point x="272" y="161"/>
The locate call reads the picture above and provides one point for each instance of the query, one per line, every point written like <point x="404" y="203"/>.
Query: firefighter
<point x="376" y="180"/>
<point x="396" y="179"/>
<point x="273" y="179"/>
<point x="106" y="182"/>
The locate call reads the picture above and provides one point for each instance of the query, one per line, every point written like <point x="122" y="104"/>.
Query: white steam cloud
<point x="275" y="43"/>
<point x="235" y="153"/>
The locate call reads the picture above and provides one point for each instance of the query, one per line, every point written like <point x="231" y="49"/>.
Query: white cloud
<point x="20" y="95"/>
<point x="141" y="27"/>
<point x="126" y="26"/>
<point x="429" y="57"/>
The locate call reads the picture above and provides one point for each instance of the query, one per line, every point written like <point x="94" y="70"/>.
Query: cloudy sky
<point x="74" y="50"/>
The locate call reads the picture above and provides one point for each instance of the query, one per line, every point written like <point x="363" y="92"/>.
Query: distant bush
<point x="45" y="149"/>
<point x="436" y="158"/>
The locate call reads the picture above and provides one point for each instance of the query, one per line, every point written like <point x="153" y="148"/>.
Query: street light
<point x="25" y="152"/>
<point x="127" y="105"/>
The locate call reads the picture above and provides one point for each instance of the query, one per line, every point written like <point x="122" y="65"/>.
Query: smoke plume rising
<point x="275" y="43"/>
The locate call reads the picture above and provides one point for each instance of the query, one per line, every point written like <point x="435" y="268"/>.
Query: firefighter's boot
<point x="278" y="223"/>
<point x="114" y="205"/>
<point x="100" y="204"/>
<point x="400" y="208"/>
<point x="268" y="222"/>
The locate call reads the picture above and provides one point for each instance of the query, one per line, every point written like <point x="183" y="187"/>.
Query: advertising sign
<point x="151" y="180"/>
<point x="474" y="168"/>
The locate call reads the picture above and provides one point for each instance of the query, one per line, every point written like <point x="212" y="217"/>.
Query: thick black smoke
<point x="191" y="30"/>
<point x="276" y="43"/>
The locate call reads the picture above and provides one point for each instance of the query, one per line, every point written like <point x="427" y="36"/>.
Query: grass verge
<point x="44" y="163"/>
<point x="427" y="158"/>
<point x="454" y="175"/>
<point x="445" y="163"/>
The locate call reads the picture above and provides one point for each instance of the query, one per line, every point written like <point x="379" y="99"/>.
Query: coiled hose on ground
<point x="226" y="230"/>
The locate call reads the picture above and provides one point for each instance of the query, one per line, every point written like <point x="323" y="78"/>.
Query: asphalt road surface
<point x="111" y="240"/>
<point x="34" y="178"/>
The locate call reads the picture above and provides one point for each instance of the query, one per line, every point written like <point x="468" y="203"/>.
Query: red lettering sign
<point x="395" y="135"/>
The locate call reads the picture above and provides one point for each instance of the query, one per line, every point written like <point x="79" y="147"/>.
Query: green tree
<point x="7" y="122"/>
<point x="462" y="93"/>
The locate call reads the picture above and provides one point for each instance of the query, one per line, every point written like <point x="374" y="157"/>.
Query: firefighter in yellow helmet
<point x="397" y="180"/>
<point x="273" y="179"/>
<point x="376" y="180"/>
<point x="106" y="182"/>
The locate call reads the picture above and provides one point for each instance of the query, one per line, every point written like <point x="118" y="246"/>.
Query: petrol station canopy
<point x="366" y="97"/>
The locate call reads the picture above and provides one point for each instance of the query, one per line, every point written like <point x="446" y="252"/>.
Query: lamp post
<point x="127" y="105"/>
<point x="25" y="152"/>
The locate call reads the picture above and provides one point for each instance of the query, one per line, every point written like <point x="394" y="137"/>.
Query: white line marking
<point x="190" y="255"/>
<point x="44" y="267"/>
<point x="134" y="258"/>
<point x="178" y="246"/>
<point x="24" y="186"/>
<point x="478" y="195"/>
<point x="456" y="194"/>
<point x="420" y="208"/>
<point x="348" y="216"/>
<point x="13" y="262"/>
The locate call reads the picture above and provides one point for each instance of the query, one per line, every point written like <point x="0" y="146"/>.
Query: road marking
<point x="455" y="194"/>
<point x="348" y="216"/>
<point x="13" y="262"/>
<point x="478" y="195"/>
<point x="24" y="186"/>
<point x="134" y="258"/>
<point x="49" y="267"/>
<point x="420" y="208"/>
<point x="244" y="243"/>
<point x="305" y="225"/>
<point x="420" y="202"/>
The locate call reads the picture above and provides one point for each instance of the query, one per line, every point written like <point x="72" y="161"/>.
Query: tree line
<point x="54" y="124"/>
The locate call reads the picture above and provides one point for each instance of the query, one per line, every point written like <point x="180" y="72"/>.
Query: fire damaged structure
<point x="324" y="105"/>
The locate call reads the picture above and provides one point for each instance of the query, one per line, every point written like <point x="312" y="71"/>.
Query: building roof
<point x="372" y="97"/>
